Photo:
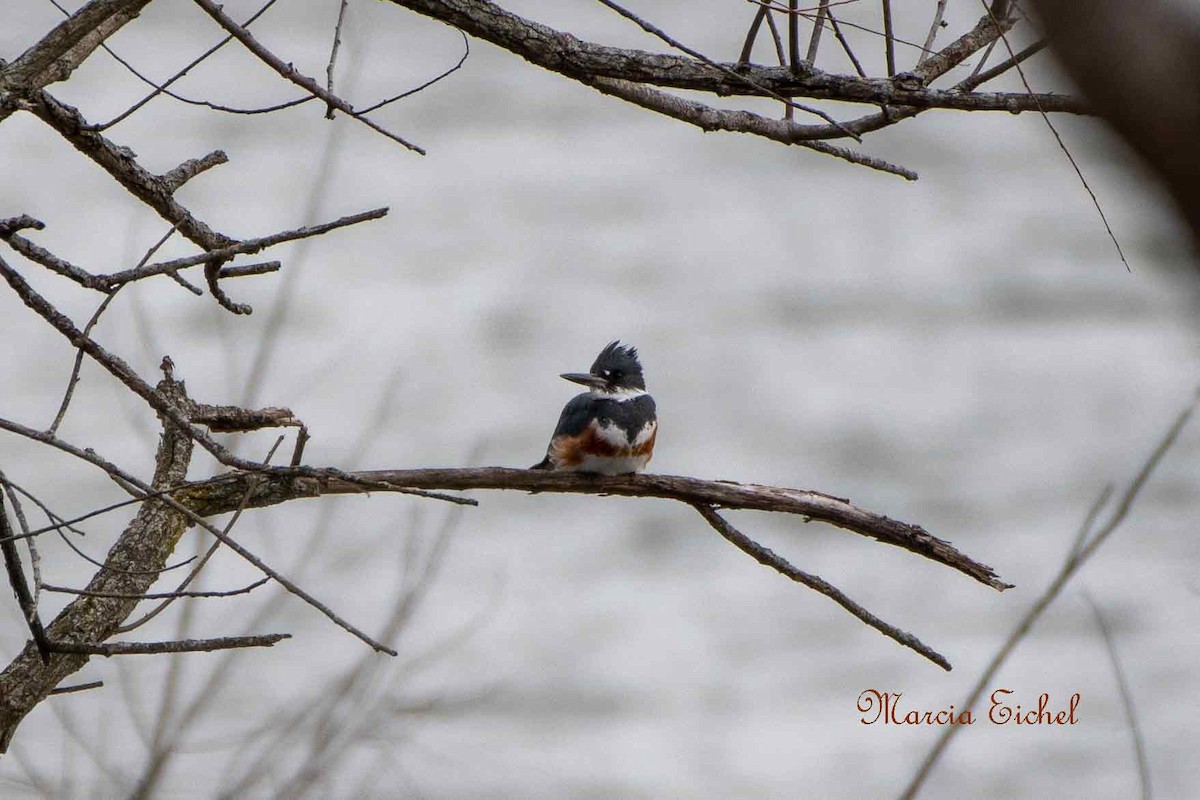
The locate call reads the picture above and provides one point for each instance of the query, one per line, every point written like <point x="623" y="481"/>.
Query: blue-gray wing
<point x="575" y="415"/>
<point x="571" y="422"/>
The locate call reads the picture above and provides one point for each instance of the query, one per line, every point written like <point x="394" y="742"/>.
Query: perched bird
<point x="610" y="428"/>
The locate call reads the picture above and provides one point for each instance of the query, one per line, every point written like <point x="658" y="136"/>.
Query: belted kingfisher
<point x="609" y="429"/>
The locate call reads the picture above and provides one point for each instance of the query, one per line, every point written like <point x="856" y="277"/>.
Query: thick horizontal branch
<point x="565" y="54"/>
<point x="207" y="499"/>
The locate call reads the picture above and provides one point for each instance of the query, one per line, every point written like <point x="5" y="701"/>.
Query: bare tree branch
<point x="565" y="54"/>
<point x="769" y="558"/>
<point x="212" y="498"/>
<point x="155" y="648"/>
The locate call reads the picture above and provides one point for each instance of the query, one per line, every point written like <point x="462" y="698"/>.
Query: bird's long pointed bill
<point x="583" y="378"/>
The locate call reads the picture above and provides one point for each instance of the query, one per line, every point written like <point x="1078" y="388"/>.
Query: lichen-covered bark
<point x="130" y="568"/>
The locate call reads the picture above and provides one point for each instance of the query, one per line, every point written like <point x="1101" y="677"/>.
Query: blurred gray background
<point x="966" y="352"/>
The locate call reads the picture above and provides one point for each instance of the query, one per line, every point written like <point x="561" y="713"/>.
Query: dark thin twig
<point x="794" y="36"/>
<point x="50" y="515"/>
<point x="1061" y="144"/>
<point x="987" y="53"/>
<point x="980" y="78"/>
<point x="441" y="76"/>
<point x="20" y="587"/>
<point x="777" y="40"/>
<point x="180" y="646"/>
<point x="837" y="32"/>
<point x="290" y="73"/>
<point x="49" y="587"/>
<point x="1135" y="730"/>
<point x="121" y="570"/>
<point x="1075" y="559"/>
<point x="74" y="379"/>
<point x="934" y="27"/>
<point x="333" y="54"/>
<point x="162" y="89"/>
<point x="778" y="6"/>
<point x="79" y="687"/>
<point x="244" y="247"/>
<point x="68" y="523"/>
<point x="751" y="35"/>
<point x="889" y="39"/>
<point x="35" y="559"/>
<point x="776" y="562"/>
<point x="814" y="40"/>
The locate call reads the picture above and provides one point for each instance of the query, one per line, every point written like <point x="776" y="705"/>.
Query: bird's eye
<point x="607" y="374"/>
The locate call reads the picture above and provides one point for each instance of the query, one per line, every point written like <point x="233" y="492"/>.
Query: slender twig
<point x="422" y="87"/>
<point x="814" y="40"/>
<point x="49" y="587"/>
<point x="244" y="247"/>
<point x="290" y="73"/>
<point x="778" y="6"/>
<point x="35" y="558"/>
<point x="980" y="78"/>
<point x="1061" y="144"/>
<point x="889" y="39"/>
<point x="333" y="54"/>
<point x="79" y="687"/>
<point x="1135" y="729"/>
<point x="979" y="62"/>
<point x="154" y="648"/>
<point x="20" y="587"/>
<point x="74" y="379"/>
<point x="777" y="40"/>
<point x="139" y="498"/>
<point x="751" y="35"/>
<point x="934" y="27"/>
<point x="794" y="36"/>
<point x="1075" y="559"/>
<point x="776" y="562"/>
<point x="162" y="89"/>
<point x="837" y="32"/>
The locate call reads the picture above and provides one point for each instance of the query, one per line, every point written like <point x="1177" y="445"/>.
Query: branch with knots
<point x="639" y="76"/>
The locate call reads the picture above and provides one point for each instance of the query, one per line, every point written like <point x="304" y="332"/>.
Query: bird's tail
<point x="543" y="464"/>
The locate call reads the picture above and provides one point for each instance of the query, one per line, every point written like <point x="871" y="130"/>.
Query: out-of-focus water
<point x="965" y="352"/>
